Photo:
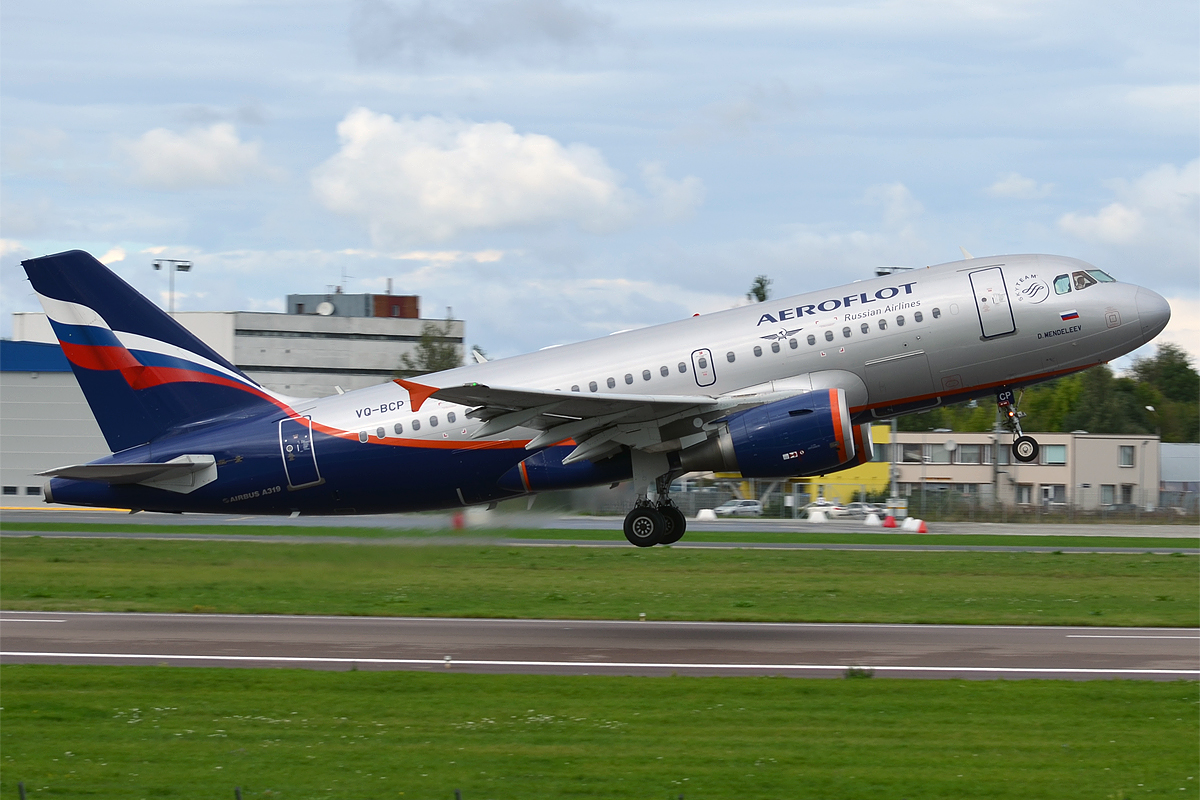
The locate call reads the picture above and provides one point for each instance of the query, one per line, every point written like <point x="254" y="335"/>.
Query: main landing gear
<point x="655" y="522"/>
<point x="1024" y="448"/>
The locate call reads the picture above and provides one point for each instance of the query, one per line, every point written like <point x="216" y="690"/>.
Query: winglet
<point x="418" y="393"/>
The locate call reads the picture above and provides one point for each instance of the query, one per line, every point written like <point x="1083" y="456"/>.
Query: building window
<point x="1003" y="452"/>
<point x="970" y="454"/>
<point x="911" y="453"/>
<point x="1054" y="454"/>
<point x="299" y="308"/>
<point x="1025" y="493"/>
<point x="730" y="357"/>
<point x="1126" y="456"/>
<point x="938" y="454"/>
<point x="1054" y="493"/>
<point x="33" y="491"/>
<point x="1108" y="494"/>
<point x="1126" y="493"/>
<point x="10" y="490"/>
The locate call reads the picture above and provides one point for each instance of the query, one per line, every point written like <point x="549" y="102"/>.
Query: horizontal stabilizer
<point x="183" y="474"/>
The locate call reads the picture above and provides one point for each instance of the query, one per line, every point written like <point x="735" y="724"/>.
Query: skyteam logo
<point x="1031" y="289"/>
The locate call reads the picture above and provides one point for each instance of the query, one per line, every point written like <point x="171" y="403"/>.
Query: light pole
<point x="173" y="265"/>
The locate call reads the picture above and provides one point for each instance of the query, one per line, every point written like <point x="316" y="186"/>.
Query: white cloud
<point x="1161" y="203"/>
<point x="212" y="156"/>
<point x="431" y="178"/>
<point x="899" y="205"/>
<point x="112" y="256"/>
<point x="677" y="199"/>
<point x="1018" y="187"/>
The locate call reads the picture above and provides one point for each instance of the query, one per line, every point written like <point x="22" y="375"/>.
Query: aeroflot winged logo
<point x="834" y="303"/>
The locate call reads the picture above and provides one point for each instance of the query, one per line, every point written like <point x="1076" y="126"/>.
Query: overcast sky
<point x="556" y="170"/>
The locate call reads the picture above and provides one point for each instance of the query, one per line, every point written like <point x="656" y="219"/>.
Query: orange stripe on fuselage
<point x="835" y="410"/>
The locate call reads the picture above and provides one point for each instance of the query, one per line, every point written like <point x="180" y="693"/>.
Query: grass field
<point x="1188" y="537"/>
<point x="160" y="732"/>
<point x="586" y="583"/>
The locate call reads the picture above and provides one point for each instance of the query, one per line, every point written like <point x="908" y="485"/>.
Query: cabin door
<point x="702" y="367"/>
<point x="299" y="456"/>
<point x="991" y="302"/>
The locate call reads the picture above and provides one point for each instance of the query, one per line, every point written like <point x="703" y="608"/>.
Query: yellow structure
<point x="849" y="484"/>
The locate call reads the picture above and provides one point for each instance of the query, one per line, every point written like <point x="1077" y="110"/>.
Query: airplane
<point x="783" y="388"/>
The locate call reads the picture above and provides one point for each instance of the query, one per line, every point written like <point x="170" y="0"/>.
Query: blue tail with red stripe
<point x="143" y="374"/>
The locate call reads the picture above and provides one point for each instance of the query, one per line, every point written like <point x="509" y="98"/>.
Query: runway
<point x="572" y="647"/>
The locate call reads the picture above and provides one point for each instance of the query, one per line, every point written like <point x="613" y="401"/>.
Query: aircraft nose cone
<point x="1153" y="312"/>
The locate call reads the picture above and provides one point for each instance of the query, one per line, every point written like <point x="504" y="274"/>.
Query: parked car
<point x="858" y="509"/>
<point x="830" y="509"/>
<point x="740" y="508"/>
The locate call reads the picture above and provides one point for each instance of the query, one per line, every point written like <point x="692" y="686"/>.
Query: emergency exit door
<point x="299" y="457"/>
<point x="991" y="302"/>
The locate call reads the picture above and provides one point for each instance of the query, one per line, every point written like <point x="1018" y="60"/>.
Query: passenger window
<point x="775" y="346"/>
<point x="1062" y="284"/>
<point x="937" y="313"/>
<point x="363" y="436"/>
<point x="918" y="316"/>
<point x="433" y="422"/>
<point x="792" y="343"/>
<point x="612" y="383"/>
<point x="812" y="339"/>
<point x="757" y="351"/>
<point x="645" y="374"/>
<point x="846" y="332"/>
<point x="730" y="357"/>
<point x="900" y="321"/>
<point x="664" y="371"/>
<point x="883" y="324"/>
<point x="416" y="424"/>
<point x="592" y="386"/>
<point x="1082" y="280"/>
<point x="829" y="336"/>
<point x="682" y="367"/>
<point x="628" y="378"/>
<point x="575" y="388"/>
<point x="380" y="433"/>
<point x="866" y="328"/>
<point x="451" y="418"/>
<point x="398" y="428"/>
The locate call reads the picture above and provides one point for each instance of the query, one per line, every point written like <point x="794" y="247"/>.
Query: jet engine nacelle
<point x="809" y="434"/>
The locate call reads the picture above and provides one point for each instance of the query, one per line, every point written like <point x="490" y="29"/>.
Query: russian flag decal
<point x="1072" y="314"/>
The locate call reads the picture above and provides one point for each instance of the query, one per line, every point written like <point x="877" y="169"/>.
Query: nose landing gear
<point x="655" y="522"/>
<point x="1024" y="448"/>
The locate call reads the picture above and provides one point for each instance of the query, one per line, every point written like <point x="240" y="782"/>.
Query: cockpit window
<point x="1062" y="284"/>
<point x="1101" y="276"/>
<point x="1082" y="280"/>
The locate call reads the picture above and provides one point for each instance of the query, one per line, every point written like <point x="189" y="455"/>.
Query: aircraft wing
<point x="599" y="424"/>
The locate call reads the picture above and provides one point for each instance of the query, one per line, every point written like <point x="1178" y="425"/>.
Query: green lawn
<point x="149" y="732"/>
<point x="664" y="583"/>
<point x="1188" y="537"/>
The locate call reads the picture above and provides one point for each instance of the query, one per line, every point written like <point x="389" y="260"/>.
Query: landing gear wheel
<point x="676" y="524"/>
<point x="645" y="526"/>
<point x="1025" y="449"/>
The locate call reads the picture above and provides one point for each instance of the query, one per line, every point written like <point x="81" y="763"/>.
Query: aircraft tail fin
<point x="143" y="373"/>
